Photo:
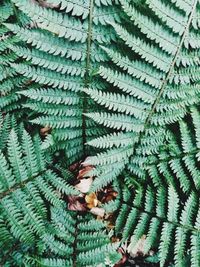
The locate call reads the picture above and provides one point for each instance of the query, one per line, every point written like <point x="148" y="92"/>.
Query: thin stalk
<point x="87" y="74"/>
<point x="179" y="47"/>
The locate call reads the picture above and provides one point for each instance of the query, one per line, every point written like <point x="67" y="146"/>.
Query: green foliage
<point x="173" y="175"/>
<point x="172" y="233"/>
<point x="151" y="85"/>
<point x="118" y="83"/>
<point x="76" y="238"/>
<point x="63" y="51"/>
<point x="27" y="184"/>
<point x="28" y="189"/>
<point x="10" y="81"/>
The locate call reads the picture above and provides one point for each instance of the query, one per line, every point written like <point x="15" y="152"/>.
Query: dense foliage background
<point x="100" y="133"/>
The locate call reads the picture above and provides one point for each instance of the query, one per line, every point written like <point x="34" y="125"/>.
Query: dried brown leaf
<point x="45" y="131"/>
<point x="75" y="203"/>
<point x="84" y="171"/>
<point x="123" y="259"/>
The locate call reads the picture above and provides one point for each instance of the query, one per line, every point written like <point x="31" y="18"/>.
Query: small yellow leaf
<point x="91" y="200"/>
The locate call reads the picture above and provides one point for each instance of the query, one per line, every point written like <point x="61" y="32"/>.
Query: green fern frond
<point x="80" y="240"/>
<point x="27" y="184"/>
<point x="175" y="228"/>
<point x="143" y="71"/>
<point x="117" y="83"/>
<point x="10" y="81"/>
<point x="67" y="38"/>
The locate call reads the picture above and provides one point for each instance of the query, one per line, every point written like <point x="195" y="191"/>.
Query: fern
<point x="165" y="209"/>
<point x="29" y="187"/>
<point x="10" y="80"/>
<point x="63" y="53"/>
<point x="71" y="239"/>
<point x="163" y="231"/>
<point x="179" y="157"/>
<point x="115" y="81"/>
<point x="77" y="239"/>
<point x="152" y="88"/>
<point x="27" y="184"/>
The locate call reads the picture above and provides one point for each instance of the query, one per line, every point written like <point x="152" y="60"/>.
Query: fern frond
<point x="27" y="184"/>
<point x="175" y="228"/>
<point x="53" y="37"/>
<point x="87" y="243"/>
<point x="144" y="71"/>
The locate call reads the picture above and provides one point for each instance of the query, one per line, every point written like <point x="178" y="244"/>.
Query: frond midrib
<point x="87" y="74"/>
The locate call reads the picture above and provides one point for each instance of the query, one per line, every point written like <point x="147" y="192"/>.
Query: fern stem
<point x="29" y="179"/>
<point x="87" y="74"/>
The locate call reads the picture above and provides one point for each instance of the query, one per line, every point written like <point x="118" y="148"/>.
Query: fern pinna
<point x="118" y="82"/>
